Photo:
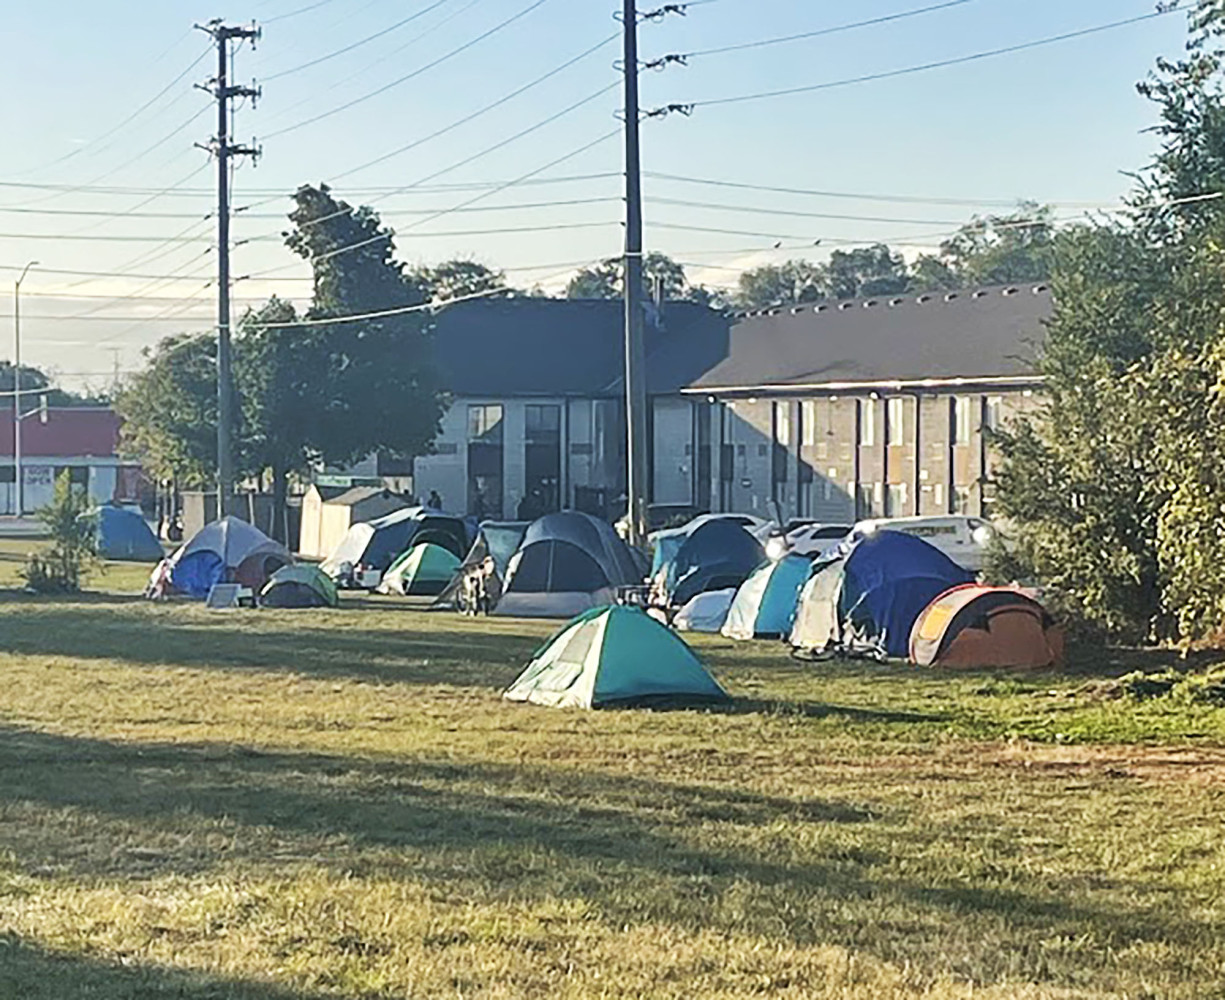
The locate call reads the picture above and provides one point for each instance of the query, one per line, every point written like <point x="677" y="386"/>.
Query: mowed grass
<point x="298" y="805"/>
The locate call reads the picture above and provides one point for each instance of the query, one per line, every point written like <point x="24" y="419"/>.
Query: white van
<point x="965" y="540"/>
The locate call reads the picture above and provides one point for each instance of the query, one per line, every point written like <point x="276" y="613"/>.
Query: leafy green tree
<point x="662" y="276"/>
<point x="992" y="250"/>
<point x="1116" y="488"/>
<point x="169" y="410"/>
<point x="38" y="383"/>
<point x="456" y="279"/>
<point x="793" y="282"/>
<point x="73" y="552"/>
<point x="874" y="270"/>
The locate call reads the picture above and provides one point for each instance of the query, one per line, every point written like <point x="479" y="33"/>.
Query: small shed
<point x="328" y="512"/>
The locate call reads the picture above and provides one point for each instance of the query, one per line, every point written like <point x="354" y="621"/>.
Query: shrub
<point x="74" y="543"/>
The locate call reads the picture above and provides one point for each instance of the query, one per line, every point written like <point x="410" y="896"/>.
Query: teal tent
<point x="299" y="586"/>
<point x="614" y="656"/>
<point x="424" y="570"/>
<point x="766" y="603"/>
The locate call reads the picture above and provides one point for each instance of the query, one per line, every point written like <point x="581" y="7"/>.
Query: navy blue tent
<point x="867" y="597"/>
<point x="719" y="555"/>
<point x="377" y="544"/>
<point x="123" y="534"/>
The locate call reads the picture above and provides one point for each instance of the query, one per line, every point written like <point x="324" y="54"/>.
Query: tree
<point x="1116" y="487"/>
<point x="74" y="541"/>
<point x="794" y="282"/>
<point x="169" y="410"/>
<point x="662" y="277"/>
<point x="874" y="270"/>
<point x="38" y="383"/>
<point x="992" y="250"/>
<point x="456" y="279"/>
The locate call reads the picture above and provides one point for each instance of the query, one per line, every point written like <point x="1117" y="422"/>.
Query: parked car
<point x="965" y="540"/>
<point x="815" y="538"/>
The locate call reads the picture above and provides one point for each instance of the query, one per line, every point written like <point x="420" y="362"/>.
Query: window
<point x="963" y="420"/>
<point x="867" y="422"/>
<point x="863" y="500"/>
<point x="542" y="422"/>
<point x="938" y="490"/>
<point x="485" y="423"/>
<point x="7" y="474"/>
<point x="961" y="499"/>
<point x="895" y="500"/>
<point x="994" y="417"/>
<point x="78" y="475"/>
<point x="808" y="422"/>
<point x="897" y="421"/>
<point x="782" y="424"/>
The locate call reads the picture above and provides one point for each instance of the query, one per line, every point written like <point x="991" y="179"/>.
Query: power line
<point x="294" y="13"/>
<point x="487" y="108"/>
<point x="837" y="29"/>
<point x="357" y="44"/>
<point x="940" y="64"/>
<point x="130" y="118"/>
<point x="415" y="73"/>
<point x="797" y="214"/>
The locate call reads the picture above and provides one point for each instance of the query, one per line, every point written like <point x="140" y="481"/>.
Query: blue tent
<point x="718" y="555"/>
<point x="124" y="534"/>
<point x="377" y="544"/>
<point x="226" y="551"/>
<point x="867" y="598"/>
<point x="766" y="603"/>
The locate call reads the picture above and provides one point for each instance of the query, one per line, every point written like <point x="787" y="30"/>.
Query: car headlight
<point x="776" y="548"/>
<point x="982" y="535"/>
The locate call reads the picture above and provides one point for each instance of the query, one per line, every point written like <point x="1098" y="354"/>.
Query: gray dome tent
<point x="568" y="563"/>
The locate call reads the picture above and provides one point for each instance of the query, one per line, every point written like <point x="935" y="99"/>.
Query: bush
<point x="74" y="543"/>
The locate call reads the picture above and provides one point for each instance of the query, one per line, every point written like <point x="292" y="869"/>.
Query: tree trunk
<point x="280" y="490"/>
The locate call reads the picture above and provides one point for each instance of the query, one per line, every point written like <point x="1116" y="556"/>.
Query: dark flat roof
<point x="989" y="333"/>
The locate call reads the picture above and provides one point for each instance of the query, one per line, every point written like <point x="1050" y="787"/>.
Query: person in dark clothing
<point x="435" y="501"/>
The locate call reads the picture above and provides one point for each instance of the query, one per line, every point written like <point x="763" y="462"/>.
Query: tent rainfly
<point x="225" y="551"/>
<point x="766" y="603"/>
<point x="974" y="626"/>
<point x="611" y="656"/>
<point x="422" y="571"/>
<point x="375" y="545"/>
<point x="705" y="613"/>
<point x="299" y="586"/>
<point x="717" y="555"/>
<point x="124" y="535"/>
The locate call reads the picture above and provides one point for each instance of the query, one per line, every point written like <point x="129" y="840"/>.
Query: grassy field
<point x="299" y="805"/>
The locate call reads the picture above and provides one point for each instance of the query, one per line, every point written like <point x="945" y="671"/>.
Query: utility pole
<point x="18" y="472"/>
<point x="223" y="149"/>
<point x="635" y="350"/>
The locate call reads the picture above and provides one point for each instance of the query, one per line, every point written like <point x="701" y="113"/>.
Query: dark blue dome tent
<point x="719" y="555"/>
<point x="226" y="551"/>
<point x="865" y="599"/>
<point x="124" y="535"/>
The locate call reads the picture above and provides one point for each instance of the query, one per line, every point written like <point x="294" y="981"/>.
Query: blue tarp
<point x="889" y="578"/>
<point x="124" y="534"/>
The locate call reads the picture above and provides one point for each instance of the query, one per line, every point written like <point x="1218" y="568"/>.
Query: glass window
<point x="867" y="422"/>
<point x="808" y="421"/>
<point x="897" y="420"/>
<point x="938" y="497"/>
<point x="782" y="423"/>
<point x="895" y="500"/>
<point x="994" y="415"/>
<point x="542" y="422"/>
<point x="963" y="419"/>
<point x="485" y="423"/>
<point x="962" y="496"/>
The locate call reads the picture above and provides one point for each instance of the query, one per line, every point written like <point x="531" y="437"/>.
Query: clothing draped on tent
<point x="614" y="656"/>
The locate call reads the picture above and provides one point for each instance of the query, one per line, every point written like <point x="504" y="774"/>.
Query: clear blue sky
<point x="1056" y="124"/>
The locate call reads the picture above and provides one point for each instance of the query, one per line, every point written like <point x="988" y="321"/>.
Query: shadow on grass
<point x="327" y="644"/>
<point x="635" y="848"/>
<point x="820" y="710"/>
<point x="30" y="972"/>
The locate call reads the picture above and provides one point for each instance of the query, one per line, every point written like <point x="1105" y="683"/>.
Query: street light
<point x="17" y="415"/>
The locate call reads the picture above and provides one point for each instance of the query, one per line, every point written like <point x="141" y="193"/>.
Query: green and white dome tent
<point x="424" y="570"/>
<point x="615" y="655"/>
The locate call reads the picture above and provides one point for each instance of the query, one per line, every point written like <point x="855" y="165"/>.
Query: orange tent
<point x="976" y="626"/>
